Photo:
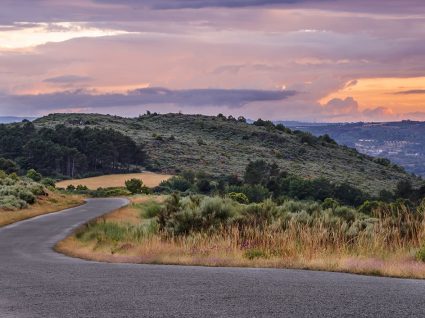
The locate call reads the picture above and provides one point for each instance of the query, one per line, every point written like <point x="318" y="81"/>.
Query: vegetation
<point x="134" y="186"/>
<point x="216" y="231"/>
<point x="67" y="151"/>
<point x="263" y="181"/>
<point x="23" y="197"/>
<point x="17" y="193"/>
<point x="225" y="145"/>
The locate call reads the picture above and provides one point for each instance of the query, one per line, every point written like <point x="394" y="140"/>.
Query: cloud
<point x="341" y="107"/>
<point x="67" y="79"/>
<point x="231" y="98"/>
<point x="197" y="4"/>
<point x="411" y="92"/>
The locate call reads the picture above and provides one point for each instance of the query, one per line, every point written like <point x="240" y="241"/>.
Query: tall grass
<point x="218" y="232"/>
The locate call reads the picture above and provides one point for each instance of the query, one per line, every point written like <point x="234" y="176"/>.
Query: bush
<point x="330" y="203"/>
<point x="8" y="166"/>
<point x="151" y="209"/>
<point x="48" y="182"/>
<point x="81" y="188"/>
<point x="177" y="183"/>
<point x="345" y="213"/>
<point x="109" y="192"/>
<point x="368" y="207"/>
<point x="238" y="197"/>
<point x="70" y="188"/>
<point x="194" y="214"/>
<point x="258" y="214"/>
<point x="27" y="196"/>
<point x="12" y="203"/>
<point x="134" y="186"/>
<point x="420" y="255"/>
<point x="34" y="175"/>
<point x="203" y="186"/>
<point x="254" y="253"/>
<point x="254" y="193"/>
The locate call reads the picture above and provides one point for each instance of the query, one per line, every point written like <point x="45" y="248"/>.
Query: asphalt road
<point x="37" y="282"/>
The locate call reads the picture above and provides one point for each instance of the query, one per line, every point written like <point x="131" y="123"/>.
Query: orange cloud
<point x="385" y="92"/>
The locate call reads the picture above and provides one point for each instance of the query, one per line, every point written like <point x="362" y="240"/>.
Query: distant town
<point x="401" y="142"/>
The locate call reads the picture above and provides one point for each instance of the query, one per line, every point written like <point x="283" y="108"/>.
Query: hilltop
<point x="220" y="145"/>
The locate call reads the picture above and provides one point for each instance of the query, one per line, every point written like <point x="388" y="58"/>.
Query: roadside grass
<point x="131" y="235"/>
<point x="150" y="179"/>
<point x="45" y="204"/>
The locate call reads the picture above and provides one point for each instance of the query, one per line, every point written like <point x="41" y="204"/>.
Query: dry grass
<point x="130" y="213"/>
<point x="383" y="251"/>
<point x="149" y="179"/>
<point x="45" y="204"/>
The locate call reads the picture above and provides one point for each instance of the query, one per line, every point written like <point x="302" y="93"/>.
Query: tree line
<point x="69" y="151"/>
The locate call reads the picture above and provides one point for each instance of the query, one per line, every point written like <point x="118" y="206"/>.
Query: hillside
<point x="216" y="145"/>
<point x="401" y="142"/>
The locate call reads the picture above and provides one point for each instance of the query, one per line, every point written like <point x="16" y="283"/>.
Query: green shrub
<point x="8" y="166"/>
<point x="27" y="196"/>
<point x="254" y="253"/>
<point x="3" y="175"/>
<point x="11" y="203"/>
<point x="346" y="213"/>
<point x="134" y="185"/>
<point x="34" y="175"/>
<point x="258" y="214"/>
<point x="203" y="186"/>
<point x="368" y="207"/>
<point x="37" y="189"/>
<point x="48" y="182"/>
<point x="109" y="192"/>
<point x="420" y="255"/>
<point x="194" y="214"/>
<point x="238" y="197"/>
<point x="177" y="183"/>
<point x="151" y="209"/>
<point x="254" y="193"/>
<point x="330" y="203"/>
<point x="81" y="188"/>
<point x="70" y="188"/>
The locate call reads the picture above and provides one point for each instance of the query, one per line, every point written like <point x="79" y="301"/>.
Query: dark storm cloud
<point x="233" y="98"/>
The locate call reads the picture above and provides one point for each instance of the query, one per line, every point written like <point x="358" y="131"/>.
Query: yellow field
<point x="149" y="179"/>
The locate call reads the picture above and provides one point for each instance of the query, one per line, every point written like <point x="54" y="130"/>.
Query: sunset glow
<point x="337" y="60"/>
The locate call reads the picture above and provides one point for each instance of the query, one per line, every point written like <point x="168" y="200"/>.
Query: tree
<point x="34" y="175"/>
<point x="257" y="172"/>
<point x="134" y="185"/>
<point x="404" y="189"/>
<point x="203" y="185"/>
<point x="8" y="166"/>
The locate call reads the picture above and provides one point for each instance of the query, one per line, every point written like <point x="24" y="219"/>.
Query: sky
<point x="305" y="60"/>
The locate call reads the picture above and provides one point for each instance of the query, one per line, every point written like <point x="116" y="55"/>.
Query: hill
<point x="218" y="145"/>
<point x="401" y="142"/>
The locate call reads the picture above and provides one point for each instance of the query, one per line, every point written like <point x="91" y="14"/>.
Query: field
<point x="131" y="235"/>
<point x="52" y="203"/>
<point x="149" y="179"/>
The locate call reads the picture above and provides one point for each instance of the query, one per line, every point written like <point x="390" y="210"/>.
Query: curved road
<point x="37" y="282"/>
